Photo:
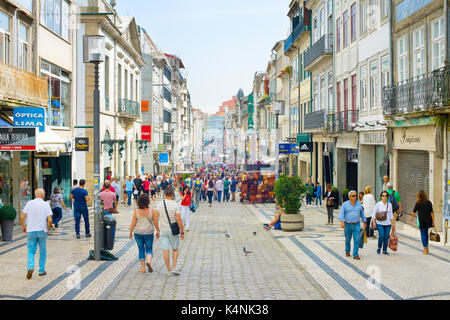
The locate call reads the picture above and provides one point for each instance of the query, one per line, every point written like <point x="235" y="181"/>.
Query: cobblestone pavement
<point x="299" y="265"/>
<point x="405" y="274"/>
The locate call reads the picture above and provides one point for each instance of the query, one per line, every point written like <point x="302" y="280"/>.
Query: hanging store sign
<point x="251" y="110"/>
<point x="373" y="137"/>
<point x="17" y="139"/>
<point x="288" y="148"/>
<point x="145" y="106"/>
<point x="306" y="147"/>
<point x="146" y="133"/>
<point x="163" y="158"/>
<point x="29" y="117"/>
<point x="82" y="144"/>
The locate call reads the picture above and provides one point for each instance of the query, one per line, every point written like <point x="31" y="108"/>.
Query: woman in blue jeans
<point x="318" y="194"/>
<point x="425" y="218"/>
<point x="143" y="223"/>
<point x="57" y="203"/>
<point x="384" y="219"/>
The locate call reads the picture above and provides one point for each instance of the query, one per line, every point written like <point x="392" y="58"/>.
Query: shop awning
<point x="49" y="141"/>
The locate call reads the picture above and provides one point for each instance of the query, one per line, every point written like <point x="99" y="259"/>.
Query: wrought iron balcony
<point x="299" y="29"/>
<point x="315" y="120"/>
<point x="343" y="121"/>
<point x="129" y="108"/>
<point x="423" y="93"/>
<point x="319" y="49"/>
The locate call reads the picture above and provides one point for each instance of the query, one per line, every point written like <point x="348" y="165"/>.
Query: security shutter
<point x="413" y="173"/>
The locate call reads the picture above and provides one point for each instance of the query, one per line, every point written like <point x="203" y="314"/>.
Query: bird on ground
<point x="227" y="235"/>
<point x="254" y="233"/>
<point x="245" y="251"/>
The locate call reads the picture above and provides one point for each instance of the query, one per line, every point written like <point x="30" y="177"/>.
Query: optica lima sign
<point x="29" y="117"/>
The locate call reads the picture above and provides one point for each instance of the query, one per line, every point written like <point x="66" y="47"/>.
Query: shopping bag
<point x="361" y="239"/>
<point x="365" y="236"/>
<point x="393" y="242"/>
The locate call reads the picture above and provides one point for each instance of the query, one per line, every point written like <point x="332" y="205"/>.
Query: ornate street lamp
<point x="94" y="52"/>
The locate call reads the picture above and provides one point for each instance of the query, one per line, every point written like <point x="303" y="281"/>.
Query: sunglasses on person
<point x="354" y="196"/>
<point x="384" y="196"/>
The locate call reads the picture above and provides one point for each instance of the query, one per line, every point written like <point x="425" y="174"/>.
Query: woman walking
<point x="368" y="204"/>
<point x="309" y="192"/>
<point x="318" y="194"/>
<point x="425" y="217"/>
<point x="57" y="205"/>
<point x="185" y="206"/>
<point x="143" y="223"/>
<point x="331" y="198"/>
<point x="210" y="191"/>
<point x="167" y="212"/>
<point x="383" y="220"/>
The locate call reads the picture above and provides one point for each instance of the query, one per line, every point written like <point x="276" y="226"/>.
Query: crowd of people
<point x="159" y="216"/>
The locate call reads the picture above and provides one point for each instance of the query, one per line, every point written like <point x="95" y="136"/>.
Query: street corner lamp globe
<point x="94" y="48"/>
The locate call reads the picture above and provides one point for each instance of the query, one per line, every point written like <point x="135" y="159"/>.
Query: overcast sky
<point x="221" y="43"/>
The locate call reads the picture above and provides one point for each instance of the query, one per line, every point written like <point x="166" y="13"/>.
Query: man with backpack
<point x="395" y="200"/>
<point x="198" y="189"/>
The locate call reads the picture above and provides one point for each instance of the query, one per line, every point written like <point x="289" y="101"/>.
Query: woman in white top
<point x="368" y="204"/>
<point x="383" y="217"/>
<point x="168" y="240"/>
<point x="143" y="223"/>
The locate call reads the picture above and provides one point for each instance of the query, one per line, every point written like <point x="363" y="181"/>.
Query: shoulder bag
<point x="173" y="226"/>
<point x="382" y="216"/>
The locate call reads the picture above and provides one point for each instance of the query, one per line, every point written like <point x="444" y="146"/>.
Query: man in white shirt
<point x="39" y="219"/>
<point x="219" y="188"/>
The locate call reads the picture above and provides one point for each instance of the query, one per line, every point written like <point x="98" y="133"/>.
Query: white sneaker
<point x="176" y="272"/>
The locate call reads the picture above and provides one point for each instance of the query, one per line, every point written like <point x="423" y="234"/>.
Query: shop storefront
<point x="374" y="160"/>
<point x="347" y="162"/>
<point x="416" y="167"/>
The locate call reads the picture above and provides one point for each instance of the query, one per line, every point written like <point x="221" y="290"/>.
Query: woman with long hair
<point x="210" y="191"/>
<point x="143" y="223"/>
<point x="424" y="208"/>
<point x="185" y="206"/>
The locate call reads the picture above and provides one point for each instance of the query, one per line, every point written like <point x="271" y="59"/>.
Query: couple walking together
<point x="146" y="221"/>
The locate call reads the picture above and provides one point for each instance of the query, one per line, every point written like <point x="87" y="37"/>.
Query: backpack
<point x="197" y="185"/>
<point x="393" y="201"/>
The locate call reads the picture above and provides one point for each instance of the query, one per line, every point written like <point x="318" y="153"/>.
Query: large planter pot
<point x="7" y="227"/>
<point x="292" y="222"/>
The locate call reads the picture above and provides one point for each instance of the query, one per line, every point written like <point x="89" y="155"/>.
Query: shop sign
<point x="352" y="155"/>
<point x="421" y="121"/>
<point x="251" y="109"/>
<point x="82" y="144"/>
<point x="146" y="133"/>
<point x="163" y="158"/>
<point x="145" y="106"/>
<point x="17" y="139"/>
<point x="306" y="147"/>
<point x="29" y="117"/>
<point x="288" y="148"/>
<point x="373" y="137"/>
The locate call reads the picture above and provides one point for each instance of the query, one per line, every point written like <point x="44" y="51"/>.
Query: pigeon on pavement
<point x="246" y="252"/>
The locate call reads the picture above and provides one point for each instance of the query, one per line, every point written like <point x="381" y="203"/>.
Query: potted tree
<point x="7" y="216"/>
<point x="344" y="193"/>
<point x="289" y="194"/>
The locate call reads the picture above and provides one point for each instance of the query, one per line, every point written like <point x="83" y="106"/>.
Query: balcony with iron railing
<point x="343" y="121"/>
<point x="298" y="30"/>
<point x="423" y="93"/>
<point x="315" y="120"/>
<point x="128" y="108"/>
<point x="320" y="49"/>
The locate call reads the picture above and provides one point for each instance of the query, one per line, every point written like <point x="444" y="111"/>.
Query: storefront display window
<point x="6" y="194"/>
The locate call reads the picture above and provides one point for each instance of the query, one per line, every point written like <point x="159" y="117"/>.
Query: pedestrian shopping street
<point x="310" y="264"/>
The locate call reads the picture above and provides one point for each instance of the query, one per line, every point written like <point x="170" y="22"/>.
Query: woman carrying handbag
<point x="331" y="198"/>
<point x="425" y="219"/>
<point x="383" y="218"/>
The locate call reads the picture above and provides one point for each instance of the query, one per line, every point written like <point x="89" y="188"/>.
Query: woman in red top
<point x="146" y="184"/>
<point x="185" y="206"/>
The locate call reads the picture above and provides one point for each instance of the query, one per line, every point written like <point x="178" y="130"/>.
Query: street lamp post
<point x="279" y="110"/>
<point x="94" y="52"/>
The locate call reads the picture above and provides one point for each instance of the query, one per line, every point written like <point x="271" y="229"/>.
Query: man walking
<point x="116" y="186"/>
<point x="395" y="200"/>
<point x="219" y="188"/>
<point x="129" y="187"/>
<point x="80" y="197"/>
<point x="109" y="199"/>
<point x="198" y="185"/>
<point x="350" y="215"/>
<point x="226" y="190"/>
<point x="38" y="214"/>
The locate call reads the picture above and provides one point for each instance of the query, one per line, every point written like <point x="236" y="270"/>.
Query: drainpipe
<point x="16" y="40"/>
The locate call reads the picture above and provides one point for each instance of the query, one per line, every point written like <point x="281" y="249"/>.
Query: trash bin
<point x="109" y="231"/>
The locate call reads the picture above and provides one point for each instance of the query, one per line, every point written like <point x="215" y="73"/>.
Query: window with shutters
<point x="5" y="37"/>
<point x="23" y="54"/>
<point x="338" y="96"/>
<point x="353" y="22"/>
<point x="373" y="85"/>
<point x="362" y="16"/>
<point x="402" y="59"/>
<point x="419" y="52"/>
<point x="338" y="35"/>
<point x="438" y="43"/>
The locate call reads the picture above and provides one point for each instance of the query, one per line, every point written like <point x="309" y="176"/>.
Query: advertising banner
<point x="17" y="139"/>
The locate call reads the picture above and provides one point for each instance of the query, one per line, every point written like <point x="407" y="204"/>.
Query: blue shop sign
<point x="29" y="117"/>
<point x="163" y="158"/>
<point x="288" y="148"/>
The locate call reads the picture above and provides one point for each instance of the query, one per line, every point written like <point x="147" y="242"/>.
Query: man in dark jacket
<point x="138" y="184"/>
